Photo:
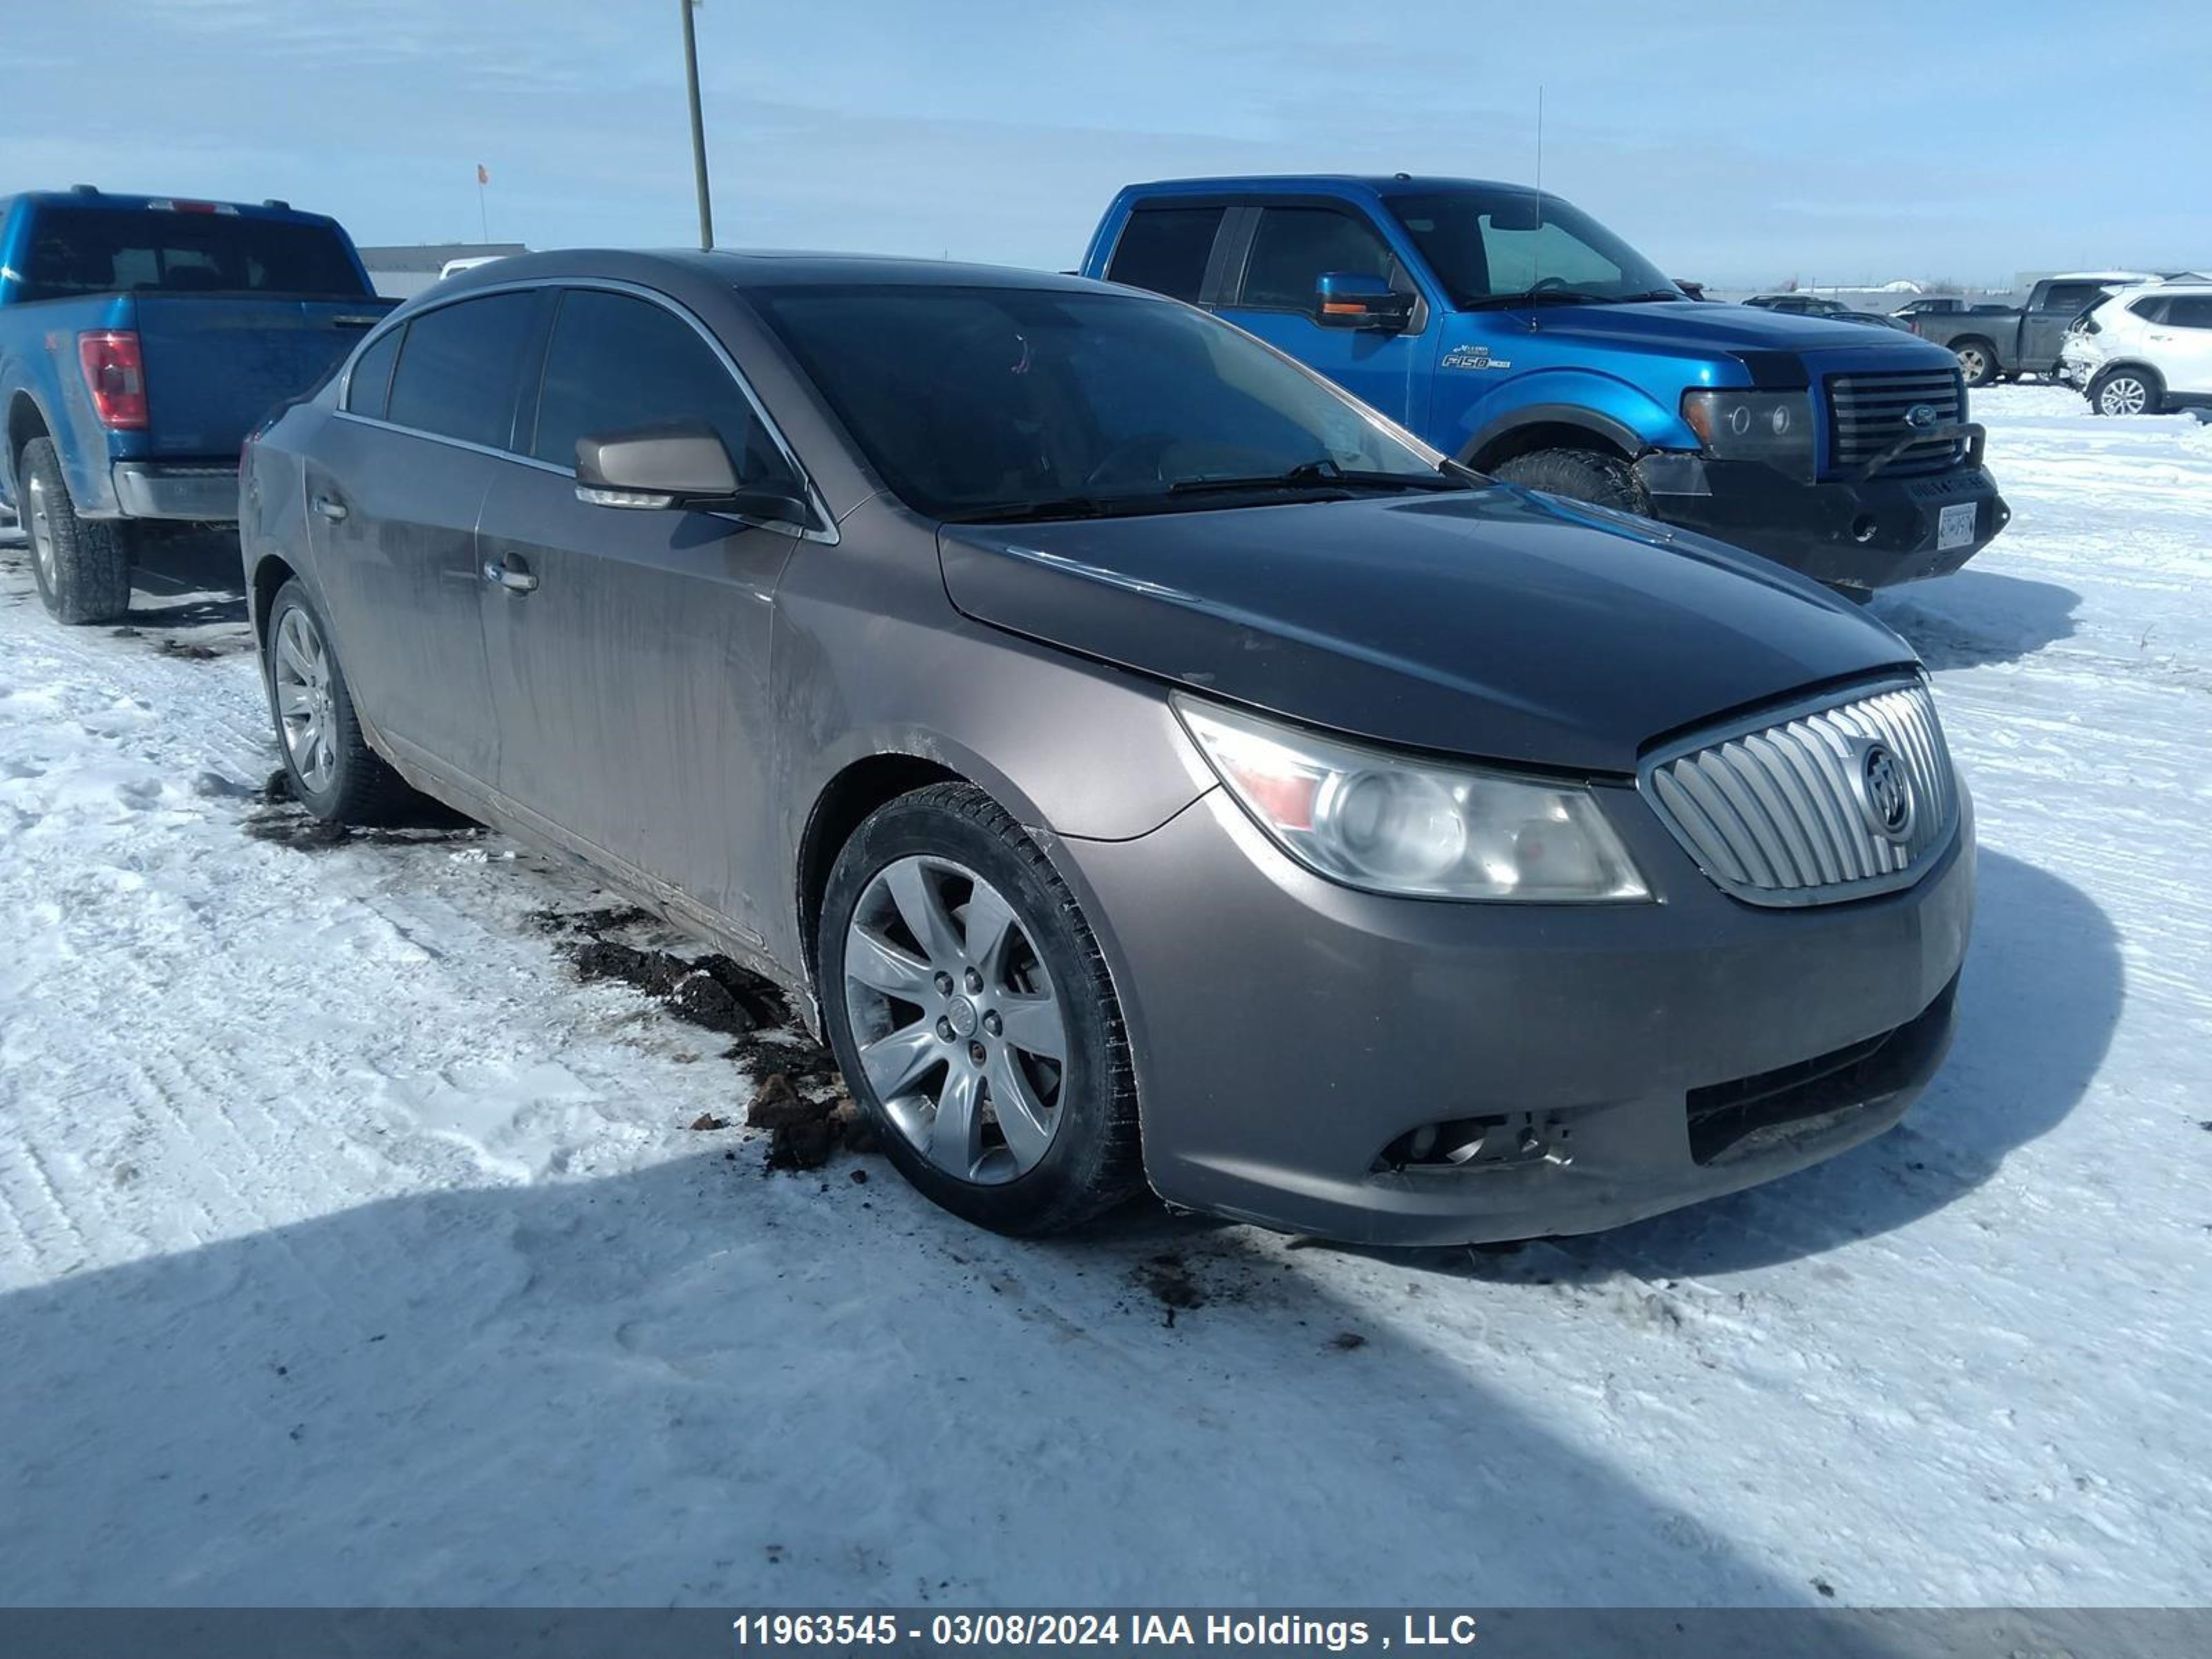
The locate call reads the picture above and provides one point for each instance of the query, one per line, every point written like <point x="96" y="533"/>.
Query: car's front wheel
<point x="2126" y="392"/>
<point x="334" y="773"/>
<point x="971" y="1012"/>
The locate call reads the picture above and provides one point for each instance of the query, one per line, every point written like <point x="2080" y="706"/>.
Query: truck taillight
<point x="115" y="373"/>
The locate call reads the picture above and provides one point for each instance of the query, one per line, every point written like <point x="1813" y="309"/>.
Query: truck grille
<point x="1802" y="810"/>
<point x="1866" y="416"/>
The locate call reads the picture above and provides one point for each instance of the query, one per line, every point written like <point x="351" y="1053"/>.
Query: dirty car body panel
<point x="684" y="698"/>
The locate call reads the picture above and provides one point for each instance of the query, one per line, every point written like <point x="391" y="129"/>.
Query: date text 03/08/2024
<point x="1269" y="1632"/>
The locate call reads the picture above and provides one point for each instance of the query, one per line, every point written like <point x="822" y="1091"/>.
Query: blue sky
<point x="1740" y="143"/>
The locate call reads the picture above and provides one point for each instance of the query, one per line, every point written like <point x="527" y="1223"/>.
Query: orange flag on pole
<point x="482" y="178"/>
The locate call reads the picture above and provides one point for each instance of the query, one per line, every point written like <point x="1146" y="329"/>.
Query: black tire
<point x="361" y="787"/>
<point x="1978" y="362"/>
<point x="1095" y="1159"/>
<point x="1581" y="475"/>
<point x="2115" y="380"/>
<point x="82" y="566"/>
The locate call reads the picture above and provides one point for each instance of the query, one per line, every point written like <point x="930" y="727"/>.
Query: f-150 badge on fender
<point x="1475" y="356"/>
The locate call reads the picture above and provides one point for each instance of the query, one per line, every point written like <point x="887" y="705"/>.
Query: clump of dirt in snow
<point x="804" y="1132"/>
<point x="1169" y="1280"/>
<point x="712" y="992"/>
<point x="187" y="651"/>
<point x="282" y="821"/>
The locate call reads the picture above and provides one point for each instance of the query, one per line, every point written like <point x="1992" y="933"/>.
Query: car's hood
<point x="1491" y="624"/>
<point x="1688" y="326"/>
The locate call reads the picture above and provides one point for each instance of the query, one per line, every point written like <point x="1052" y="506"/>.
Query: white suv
<point x="2143" y="351"/>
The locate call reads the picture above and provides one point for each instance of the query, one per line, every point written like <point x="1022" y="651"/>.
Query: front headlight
<point x="1774" y="428"/>
<point x="1393" y="823"/>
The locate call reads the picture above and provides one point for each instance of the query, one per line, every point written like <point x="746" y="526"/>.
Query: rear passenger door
<point x="630" y="655"/>
<point x="2183" y="344"/>
<point x="1271" y="292"/>
<point x="394" y="491"/>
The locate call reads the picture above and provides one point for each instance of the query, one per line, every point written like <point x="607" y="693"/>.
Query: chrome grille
<point x="1866" y="416"/>
<point x="1782" y="813"/>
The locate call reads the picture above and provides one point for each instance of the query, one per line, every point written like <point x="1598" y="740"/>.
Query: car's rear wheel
<point x="1976" y="362"/>
<point x="82" y="566"/>
<point x="1582" y="475"/>
<point x="971" y="1012"/>
<point x="334" y="773"/>
<point x="2126" y="392"/>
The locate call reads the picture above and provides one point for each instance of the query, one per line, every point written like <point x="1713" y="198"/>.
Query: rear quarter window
<point x="461" y="367"/>
<point x="1166" y="250"/>
<point x="371" y="383"/>
<point x="75" y="251"/>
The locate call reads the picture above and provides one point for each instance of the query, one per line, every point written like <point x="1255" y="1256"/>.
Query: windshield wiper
<point x="1324" y="475"/>
<point x="1061" y="506"/>
<point x="1550" y="296"/>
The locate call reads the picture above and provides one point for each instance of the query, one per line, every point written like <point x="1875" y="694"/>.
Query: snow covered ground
<point x="352" y="1250"/>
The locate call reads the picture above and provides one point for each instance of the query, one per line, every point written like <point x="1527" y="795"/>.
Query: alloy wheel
<point x="305" y="703"/>
<point x="1973" y="363"/>
<point x="2123" y="395"/>
<point x="960" y="1029"/>
<point x="39" y="524"/>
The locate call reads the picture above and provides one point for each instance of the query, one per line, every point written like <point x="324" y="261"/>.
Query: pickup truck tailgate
<point x="215" y="365"/>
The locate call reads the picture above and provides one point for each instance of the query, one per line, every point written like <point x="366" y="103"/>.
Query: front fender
<point x="1623" y="415"/>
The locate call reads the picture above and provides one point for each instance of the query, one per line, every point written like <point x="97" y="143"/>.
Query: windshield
<point x="1493" y="247"/>
<point x="998" y="403"/>
<point x="154" y="251"/>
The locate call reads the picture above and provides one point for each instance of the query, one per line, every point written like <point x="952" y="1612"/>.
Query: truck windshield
<point x="77" y="250"/>
<point x="1493" y="247"/>
<point x="984" y="404"/>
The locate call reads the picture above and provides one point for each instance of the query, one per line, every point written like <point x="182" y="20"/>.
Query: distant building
<point x="399" y="272"/>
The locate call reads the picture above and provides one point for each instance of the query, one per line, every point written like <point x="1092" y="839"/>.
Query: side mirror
<point x="684" y="464"/>
<point x="1344" y="299"/>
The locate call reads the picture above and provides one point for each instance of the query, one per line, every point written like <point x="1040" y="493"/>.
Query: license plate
<point x="1955" y="525"/>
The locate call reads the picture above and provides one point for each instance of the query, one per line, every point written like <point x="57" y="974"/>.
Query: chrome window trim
<point x="1917" y="865"/>
<point x="826" y="532"/>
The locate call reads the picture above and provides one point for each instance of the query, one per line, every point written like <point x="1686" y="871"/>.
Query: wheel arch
<point x="1551" y="426"/>
<point x="271" y="572"/>
<point x="842" y="805"/>
<point x="26" y="421"/>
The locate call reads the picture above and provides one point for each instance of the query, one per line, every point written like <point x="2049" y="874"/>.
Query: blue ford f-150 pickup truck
<point x="1521" y="338"/>
<point x="142" y="338"/>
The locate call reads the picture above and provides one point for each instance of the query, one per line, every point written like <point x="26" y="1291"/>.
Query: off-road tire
<point x="82" y="566"/>
<point x="2154" y="390"/>
<point x="364" y="789"/>
<point x="1581" y="475"/>
<point x="1095" y="1159"/>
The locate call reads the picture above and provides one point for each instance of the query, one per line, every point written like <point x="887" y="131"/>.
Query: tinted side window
<point x="1165" y="250"/>
<point x="2152" y="308"/>
<point x="2069" y="297"/>
<point x="1294" y="245"/>
<point x="371" y="375"/>
<point x="2189" y="311"/>
<point x="616" y="363"/>
<point x="108" y="250"/>
<point x="457" y="373"/>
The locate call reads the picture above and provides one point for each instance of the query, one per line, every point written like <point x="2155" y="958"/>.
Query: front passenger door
<point x="630" y="648"/>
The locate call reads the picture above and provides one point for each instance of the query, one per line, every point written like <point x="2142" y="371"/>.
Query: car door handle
<point x="507" y="576"/>
<point x="330" y="508"/>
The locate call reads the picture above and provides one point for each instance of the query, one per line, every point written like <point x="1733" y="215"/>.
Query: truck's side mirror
<point x="1347" y="299"/>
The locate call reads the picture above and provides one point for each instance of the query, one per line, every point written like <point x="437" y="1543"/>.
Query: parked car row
<point x="1142" y="760"/>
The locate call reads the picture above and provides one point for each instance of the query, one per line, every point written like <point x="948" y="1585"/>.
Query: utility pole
<point x="698" y="127"/>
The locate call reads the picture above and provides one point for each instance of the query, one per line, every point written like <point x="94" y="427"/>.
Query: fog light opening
<point x="1460" y="1143"/>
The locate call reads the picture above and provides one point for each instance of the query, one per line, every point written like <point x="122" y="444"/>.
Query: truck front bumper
<point x="200" y="492"/>
<point x="1863" y="531"/>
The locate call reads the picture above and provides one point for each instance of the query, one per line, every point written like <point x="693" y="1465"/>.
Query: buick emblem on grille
<point x="1921" y="415"/>
<point x="1885" y="792"/>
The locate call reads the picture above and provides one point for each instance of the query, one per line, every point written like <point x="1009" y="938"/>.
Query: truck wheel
<point x="1978" y="362"/>
<point x="82" y="566"/>
<point x="335" y="773"/>
<point x="970" y="1010"/>
<point x="1580" y="474"/>
<point x="2126" y="392"/>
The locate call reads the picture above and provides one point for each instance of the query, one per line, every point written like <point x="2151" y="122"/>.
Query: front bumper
<point x="1867" y="531"/>
<point x="201" y="493"/>
<point x="1289" y="1035"/>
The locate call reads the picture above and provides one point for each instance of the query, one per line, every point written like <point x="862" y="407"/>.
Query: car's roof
<point x="763" y="267"/>
<point x="2136" y="290"/>
<point x="2102" y="277"/>
<point x="1381" y="183"/>
<point x="86" y="195"/>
